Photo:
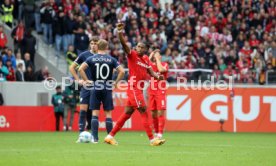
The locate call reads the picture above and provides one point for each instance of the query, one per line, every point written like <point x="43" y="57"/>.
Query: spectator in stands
<point x="29" y="8"/>
<point x="20" y="60"/>
<point x="81" y="41"/>
<point x="42" y="74"/>
<point x="3" y="71"/>
<point x="216" y="73"/>
<point x="167" y="57"/>
<point x="59" y="30"/>
<point x="28" y="62"/>
<point x="29" y="45"/>
<point x="57" y="101"/>
<point x="83" y="7"/>
<point x="229" y="74"/>
<point x="210" y="58"/>
<point x="18" y="35"/>
<point x="219" y="31"/>
<point x="9" y="57"/>
<point x="19" y="74"/>
<point x="71" y="55"/>
<point x="79" y="24"/>
<point x="47" y="18"/>
<point x="20" y="9"/>
<point x="68" y="6"/>
<point x="7" y="9"/>
<point x="29" y="74"/>
<point x="70" y="23"/>
<point x="11" y="75"/>
<point x="222" y="66"/>
<point x="3" y="38"/>
<point x="37" y="17"/>
<point x="167" y="12"/>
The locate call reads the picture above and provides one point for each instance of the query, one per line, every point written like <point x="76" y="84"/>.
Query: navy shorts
<point x="98" y="97"/>
<point x="84" y="96"/>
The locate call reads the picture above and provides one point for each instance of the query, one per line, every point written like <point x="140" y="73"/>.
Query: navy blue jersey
<point x="101" y="67"/>
<point x="82" y="58"/>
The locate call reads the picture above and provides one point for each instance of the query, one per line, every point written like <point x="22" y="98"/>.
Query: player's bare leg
<point x="121" y="121"/>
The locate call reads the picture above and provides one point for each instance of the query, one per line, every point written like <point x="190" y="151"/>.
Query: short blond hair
<point x="102" y="44"/>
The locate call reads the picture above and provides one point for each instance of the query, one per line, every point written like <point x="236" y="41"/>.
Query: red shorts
<point x="135" y="98"/>
<point x="157" y="102"/>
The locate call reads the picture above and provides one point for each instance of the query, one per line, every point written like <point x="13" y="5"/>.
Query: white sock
<point x="109" y="136"/>
<point x="159" y="135"/>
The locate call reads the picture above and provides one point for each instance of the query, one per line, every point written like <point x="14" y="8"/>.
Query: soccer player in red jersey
<point x="157" y="94"/>
<point x="139" y="67"/>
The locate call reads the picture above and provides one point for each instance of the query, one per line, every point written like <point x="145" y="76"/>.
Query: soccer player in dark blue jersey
<point x="101" y="66"/>
<point x="84" y="94"/>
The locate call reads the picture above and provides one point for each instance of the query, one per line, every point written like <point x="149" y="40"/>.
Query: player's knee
<point x="160" y="113"/>
<point x="96" y="112"/>
<point x="83" y="107"/>
<point x="129" y="110"/>
<point x="142" y="109"/>
<point x="154" y="114"/>
<point x="108" y="113"/>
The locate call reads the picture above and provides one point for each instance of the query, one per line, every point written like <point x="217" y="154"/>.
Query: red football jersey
<point x="154" y="88"/>
<point x="138" y="67"/>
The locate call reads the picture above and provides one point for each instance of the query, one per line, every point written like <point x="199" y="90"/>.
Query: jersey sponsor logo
<point x="142" y="64"/>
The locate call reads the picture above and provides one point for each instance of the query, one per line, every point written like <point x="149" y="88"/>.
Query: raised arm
<point x="120" y="29"/>
<point x="159" y="65"/>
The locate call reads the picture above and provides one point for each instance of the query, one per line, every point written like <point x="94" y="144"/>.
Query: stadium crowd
<point x="231" y="37"/>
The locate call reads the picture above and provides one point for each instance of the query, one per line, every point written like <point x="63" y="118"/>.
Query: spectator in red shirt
<point x="18" y="35"/>
<point x="11" y="76"/>
<point x="254" y="42"/>
<point x="247" y="51"/>
<point x="3" y="38"/>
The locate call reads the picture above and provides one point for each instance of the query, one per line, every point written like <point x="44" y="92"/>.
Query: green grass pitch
<point x="181" y="149"/>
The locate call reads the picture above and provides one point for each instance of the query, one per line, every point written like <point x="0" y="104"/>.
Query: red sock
<point x="155" y="124"/>
<point x="145" y="119"/>
<point x="161" y="124"/>
<point x="121" y="121"/>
